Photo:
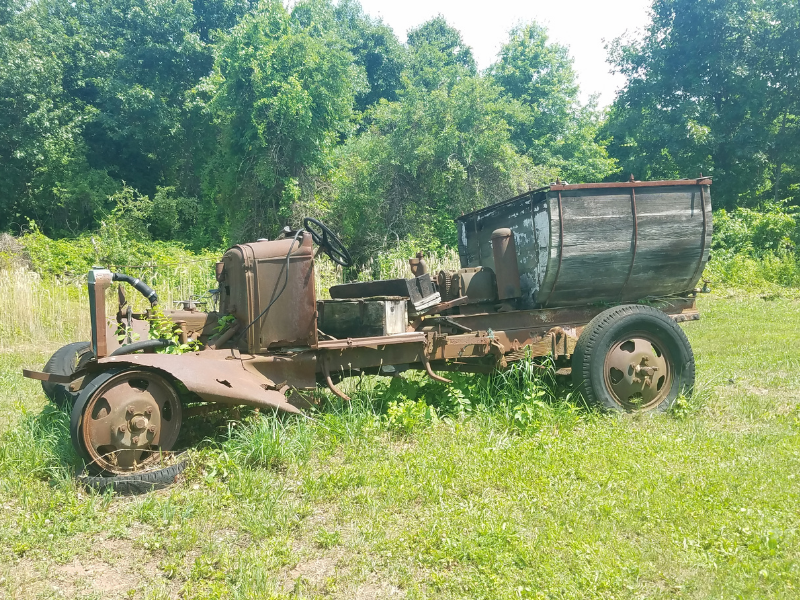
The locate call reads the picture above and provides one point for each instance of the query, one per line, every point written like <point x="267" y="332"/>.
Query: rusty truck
<point x="598" y="276"/>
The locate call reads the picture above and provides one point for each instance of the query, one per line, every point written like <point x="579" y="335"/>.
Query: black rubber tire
<point x="65" y="361"/>
<point x="136" y="483"/>
<point x="608" y="328"/>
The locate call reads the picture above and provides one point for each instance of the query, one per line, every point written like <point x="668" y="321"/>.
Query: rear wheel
<point x="633" y="358"/>
<point x="123" y="421"/>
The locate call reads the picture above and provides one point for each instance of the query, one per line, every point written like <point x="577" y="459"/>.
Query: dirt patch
<point x="313" y="572"/>
<point x="378" y="591"/>
<point x="111" y="569"/>
<point x="98" y="577"/>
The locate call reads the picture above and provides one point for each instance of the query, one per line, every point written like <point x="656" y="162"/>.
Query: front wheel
<point x="633" y="358"/>
<point x="123" y="420"/>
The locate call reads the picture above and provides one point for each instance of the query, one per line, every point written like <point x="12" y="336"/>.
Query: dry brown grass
<point x="49" y="312"/>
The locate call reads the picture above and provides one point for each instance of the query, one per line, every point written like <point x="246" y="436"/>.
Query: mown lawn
<point x="564" y="503"/>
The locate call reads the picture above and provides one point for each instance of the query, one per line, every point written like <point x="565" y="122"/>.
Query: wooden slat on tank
<point x="670" y="224"/>
<point x="596" y="250"/>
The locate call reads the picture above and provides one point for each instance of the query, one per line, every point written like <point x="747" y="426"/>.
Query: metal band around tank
<point x="560" y="249"/>
<point x="698" y="269"/>
<point x="635" y="243"/>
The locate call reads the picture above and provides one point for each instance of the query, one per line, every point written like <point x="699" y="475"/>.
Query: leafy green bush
<point x="770" y="230"/>
<point x="160" y="264"/>
<point x="404" y="415"/>
<point x="753" y="248"/>
<point x="526" y="397"/>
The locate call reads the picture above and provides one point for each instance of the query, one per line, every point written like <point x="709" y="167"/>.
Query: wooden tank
<point x="598" y="242"/>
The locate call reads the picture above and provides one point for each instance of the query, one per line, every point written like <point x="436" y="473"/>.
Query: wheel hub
<point x="637" y="372"/>
<point x="128" y="420"/>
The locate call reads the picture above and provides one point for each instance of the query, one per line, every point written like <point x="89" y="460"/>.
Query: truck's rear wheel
<point x="123" y="420"/>
<point x="633" y="358"/>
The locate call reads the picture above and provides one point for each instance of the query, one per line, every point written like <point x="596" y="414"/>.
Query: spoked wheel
<point x="123" y="420"/>
<point x="633" y="358"/>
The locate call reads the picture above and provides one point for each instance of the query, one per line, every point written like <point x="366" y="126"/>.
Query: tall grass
<point x="34" y="311"/>
<point x="756" y="273"/>
<point x="52" y="311"/>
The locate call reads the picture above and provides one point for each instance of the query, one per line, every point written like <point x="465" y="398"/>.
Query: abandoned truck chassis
<point x="278" y="347"/>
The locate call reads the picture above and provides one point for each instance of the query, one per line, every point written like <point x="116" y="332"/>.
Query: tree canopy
<point x="713" y="88"/>
<point x="232" y="118"/>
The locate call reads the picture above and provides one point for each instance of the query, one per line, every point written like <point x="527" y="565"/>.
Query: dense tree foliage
<point x="210" y="121"/>
<point x="283" y="92"/>
<point x="550" y="125"/>
<point x="713" y="88"/>
<point x="424" y="160"/>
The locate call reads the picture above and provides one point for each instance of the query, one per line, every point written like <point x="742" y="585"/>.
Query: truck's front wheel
<point x="633" y="358"/>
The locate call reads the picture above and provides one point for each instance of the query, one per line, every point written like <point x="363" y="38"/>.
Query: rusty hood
<point x="215" y="376"/>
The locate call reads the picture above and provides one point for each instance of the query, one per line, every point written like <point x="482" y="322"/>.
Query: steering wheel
<point x="328" y="242"/>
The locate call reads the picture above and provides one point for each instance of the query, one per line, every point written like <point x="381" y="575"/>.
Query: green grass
<point x="498" y="492"/>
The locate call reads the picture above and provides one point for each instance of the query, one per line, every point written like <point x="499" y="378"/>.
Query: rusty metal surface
<point x="129" y="419"/>
<point x="225" y="336"/>
<point x="214" y="375"/>
<point x="686" y="315"/>
<point x="444" y="306"/>
<point x="478" y="284"/>
<point x="630" y="184"/>
<point x="297" y="370"/>
<point x="545" y="318"/>
<point x="198" y="323"/>
<point x="427" y="364"/>
<point x="331" y="386"/>
<point x="418" y="265"/>
<point x="372" y="342"/>
<point x="50" y="377"/>
<point x="253" y="276"/>
<point x="99" y="281"/>
<point x="637" y="372"/>
<point x="353" y="359"/>
<point x="506" y="268"/>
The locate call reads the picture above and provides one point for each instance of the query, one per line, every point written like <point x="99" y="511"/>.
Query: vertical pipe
<point x="506" y="269"/>
<point x="98" y="282"/>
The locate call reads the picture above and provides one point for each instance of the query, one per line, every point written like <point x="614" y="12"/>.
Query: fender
<point x="215" y="376"/>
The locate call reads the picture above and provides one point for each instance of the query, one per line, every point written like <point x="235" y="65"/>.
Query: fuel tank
<point x="253" y="276"/>
<point x="598" y="242"/>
